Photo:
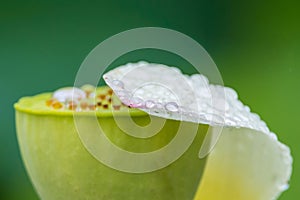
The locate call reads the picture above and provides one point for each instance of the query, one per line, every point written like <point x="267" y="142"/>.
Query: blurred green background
<point x="255" y="44"/>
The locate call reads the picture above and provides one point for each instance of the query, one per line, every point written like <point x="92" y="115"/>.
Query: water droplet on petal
<point x="172" y="107"/>
<point x="193" y="116"/>
<point x="118" y="83"/>
<point x="150" y="104"/>
<point x="136" y="102"/>
<point x="122" y="93"/>
<point x="159" y="105"/>
<point x="218" y="119"/>
<point x="231" y="93"/>
<point x="230" y="122"/>
<point x="203" y="118"/>
<point x="125" y="101"/>
<point x="247" y="108"/>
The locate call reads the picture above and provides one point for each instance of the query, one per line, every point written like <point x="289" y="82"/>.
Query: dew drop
<point x="218" y="119"/>
<point x="125" y="100"/>
<point x="122" y="93"/>
<point x="193" y="116"/>
<point x="159" y="105"/>
<point x="230" y="122"/>
<point x="215" y="118"/>
<point x="247" y="108"/>
<point x="172" y="107"/>
<point x="118" y="83"/>
<point x="136" y="102"/>
<point x="203" y="118"/>
<point x="231" y="93"/>
<point x="150" y="104"/>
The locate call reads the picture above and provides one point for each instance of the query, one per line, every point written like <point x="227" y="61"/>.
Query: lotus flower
<point x="154" y="133"/>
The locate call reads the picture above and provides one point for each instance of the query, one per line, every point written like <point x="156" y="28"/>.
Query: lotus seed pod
<point x="61" y="167"/>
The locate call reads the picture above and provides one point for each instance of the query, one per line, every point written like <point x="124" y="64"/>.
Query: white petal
<point x="248" y="161"/>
